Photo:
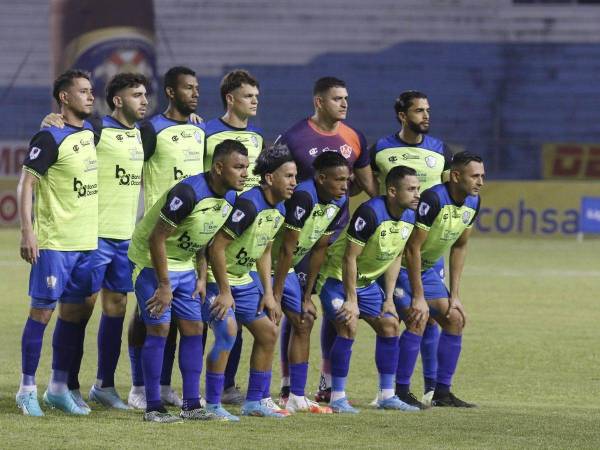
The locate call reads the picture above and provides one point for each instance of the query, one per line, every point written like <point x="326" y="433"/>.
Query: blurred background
<point x="513" y="80"/>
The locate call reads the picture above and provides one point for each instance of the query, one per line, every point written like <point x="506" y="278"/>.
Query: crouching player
<point x="239" y="249"/>
<point x="445" y="215"/>
<point x="311" y="216"/>
<point x="371" y="246"/>
<point x="162" y="249"/>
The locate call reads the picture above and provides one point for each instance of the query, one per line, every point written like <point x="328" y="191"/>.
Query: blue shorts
<point x="183" y="285"/>
<point x="110" y="266"/>
<point x="291" y="299"/>
<point x="246" y="297"/>
<point x="370" y="299"/>
<point x="433" y="287"/>
<point x="58" y="275"/>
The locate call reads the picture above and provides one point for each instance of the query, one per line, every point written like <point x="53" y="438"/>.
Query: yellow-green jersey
<point x="444" y="220"/>
<point x="251" y="137"/>
<point x="253" y="223"/>
<point x="381" y="235"/>
<point x="66" y="195"/>
<point x="173" y="151"/>
<point x="120" y="160"/>
<point x="194" y="210"/>
<point x="430" y="159"/>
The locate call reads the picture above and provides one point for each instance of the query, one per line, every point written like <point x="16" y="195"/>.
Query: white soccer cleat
<point x="296" y="404"/>
<point x="170" y="397"/>
<point x="137" y="397"/>
<point x="427" y="398"/>
<point x="269" y="403"/>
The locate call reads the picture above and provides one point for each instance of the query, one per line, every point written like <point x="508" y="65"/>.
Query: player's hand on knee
<point x="53" y="120"/>
<point x="221" y="305"/>
<point x="389" y="307"/>
<point x="29" y="247"/>
<point x="348" y="312"/>
<point x="160" y="301"/>
<point x="273" y="308"/>
<point x="454" y="303"/>
<point x="308" y="309"/>
<point x="419" y="312"/>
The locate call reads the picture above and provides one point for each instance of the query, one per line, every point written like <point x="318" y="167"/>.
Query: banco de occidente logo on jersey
<point x="84" y="190"/>
<point x="126" y="178"/>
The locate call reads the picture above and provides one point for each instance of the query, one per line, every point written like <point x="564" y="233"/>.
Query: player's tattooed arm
<point x="163" y="295"/>
<point x="268" y="302"/>
<point x="317" y="256"/>
<point x="218" y="264"/>
<point x="390" y="276"/>
<point x="418" y="308"/>
<point x="284" y="260"/>
<point x="458" y="254"/>
<point x="349" y="310"/>
<point x="201" y="273"/>
<point x="29" y="247"/>
<point x="53" y="120"/>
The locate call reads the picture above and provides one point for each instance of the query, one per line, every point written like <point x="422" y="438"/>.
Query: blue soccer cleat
<point x="108" y="397"/>
<point x="395" y="403"/>
<point x="65" y="403"/>
<point x="256" y="409"/>
<point x="222" y="413"/>
<point x="342" y="406"/>
<point x="79" y="401"/>
<point x="28" y="404"/>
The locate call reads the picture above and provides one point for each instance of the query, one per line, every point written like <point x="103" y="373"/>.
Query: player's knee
<point x="41" y="315"/>
<point x="455" y="320"/>
<point x="114" y="304"/>
<point x="225" y="336"/>
<point x="186" y="328"/>
<point x="305" y="326"/>
<point x="161" y="329"/>
<point x="390" y="327"/>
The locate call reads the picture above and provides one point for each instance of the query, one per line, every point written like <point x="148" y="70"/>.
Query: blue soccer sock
<point x="284" y="345"/>
<point x="168" y="360"/>
<point x="341" y="352"/>
<point x="448" y="353"/>
<point x="190" y="364"/>
<point x="328" y="335"/>
<point x="152" y="362"/>
<point x="256" y="385"/>
<point x="233" y="361"/>
<point x="407" y="358"/>
<point x="64" y="346"/>
<point x="135" y="359"/>
<point x="31" y="348"/>
<point x="429" y="347"/>
<point x="77" y="357"/>
<point x="386" y="359"/>
<point x="267" y="385"/>
<point x="109" y="349"/>
<point x="214" y="387"/>
<point x="298" y="375"/>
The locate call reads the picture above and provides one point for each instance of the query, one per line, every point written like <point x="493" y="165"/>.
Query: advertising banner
<point x="571" y="161"/>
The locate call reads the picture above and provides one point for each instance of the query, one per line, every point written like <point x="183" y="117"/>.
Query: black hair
<point x="461" y="159"/>
<point x="404" y="100"/>
<point x="226" y="148"/>
<point x="173" y="73"/>
<point x="397" y="173"/>
<point x="272" y="158"/>
<point x="233" y="80"/>
<point x="122" y="81"/>
<point x="322" y="85"/>
<point x="328" y="160"/>
<point x="65" y="80"/>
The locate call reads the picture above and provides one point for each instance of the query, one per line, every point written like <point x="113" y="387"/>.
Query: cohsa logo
<point x="575" y="161"/>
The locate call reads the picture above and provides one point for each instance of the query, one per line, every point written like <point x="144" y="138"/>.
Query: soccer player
<point x="235" y="293"/>
<point x="412" y="146"/>
<point x="371" y="246"/>
<point x="445" y="215"/>
<point x="163" y="247"/>
<point x="239" y="94"/>
<point x="310" y="219"/>
<point x="173" y="151"/>
<point x="326" y="130"/>
<point x="61" y="169"/>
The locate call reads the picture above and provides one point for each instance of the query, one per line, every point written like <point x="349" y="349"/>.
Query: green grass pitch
<point x="530" y="361"/>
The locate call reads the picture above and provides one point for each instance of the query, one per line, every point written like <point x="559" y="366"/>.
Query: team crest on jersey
<point x="51" y="281"/>
<point x="237" y="216"/>
<point x="423" y="209"/>
<point x="404" y="232"/>
<point x="225" y="210"/>
<point x="466" y="217"/>
<point x="34" y="152"/>
<point x="299" y="212"/>
<point x="276" y="221"/>
<point x="175" y="204"/>
<point x="198" y="137"/>
<point x="431" y="161"/>
<point x="254" y="141"/>
<point x="346" y="151"/>
<point x="337" y="303"/>
<point x="313" y="151"/>
<point x="330" y="212"/>
<point x="360" y="224"/>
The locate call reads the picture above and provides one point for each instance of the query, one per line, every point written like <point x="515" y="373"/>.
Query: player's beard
<point x="418" y="128"/>
<point x="183" y="108"/>
<point x="82" y="115"/>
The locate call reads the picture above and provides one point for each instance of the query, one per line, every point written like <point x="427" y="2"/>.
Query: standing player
<point x="173" y="151"/>
<point x="61" y="169"/>
<point x="430" y="157"/>
<point x="311" y="217"/>
<point x="242" y="245"/>
<point x="371" y="246"/>
<point x="445" y="215"/>
<point x="239" y="94"/>
<point x="163" y="248"/>
<point x="326" y="131"/>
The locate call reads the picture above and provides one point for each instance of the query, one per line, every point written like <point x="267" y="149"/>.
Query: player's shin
<point x="190" y="364"/>
<point x="407" y="358"/>
<point x="152" y="362"/>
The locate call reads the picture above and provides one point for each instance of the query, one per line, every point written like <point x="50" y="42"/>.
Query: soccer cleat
<point x="161" y="417"/>
<point x="269" y="403"/>
<point x="395" y="403"/>
<point x="137" y="398"/>
<point x="283" y="396"/>
<point x="232" y="396"/>
<point x="222" y="413"/>
<point x="374" y="402"/>
<point x="28" y="403"/>
<point x="323" y="396"/>
<point x="108" y="397"/>
<point x="169" y="397"/>
<point x="296" y="404"/>
<point x="79" y="401"/>
<point x="257" y="409"/>
<point x="411" y="400"/>
<point x="342" y="406"/>
<point x="65" y="403"/>
<point x="451" y="400"/>
<point x="198" y="414"/>
<point x="426" y="399"/>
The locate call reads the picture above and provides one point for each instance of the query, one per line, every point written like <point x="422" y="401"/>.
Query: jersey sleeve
<point x="242" y="216"/>
<point x="428" y="209"/>
<point x="297" y="210"/>
<point x="148" y="139"/>
<point x="43" y="152"/>
<point x="364" y="158"/>
<point x="362" y="225"/>
<point x="179" y="204"/>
